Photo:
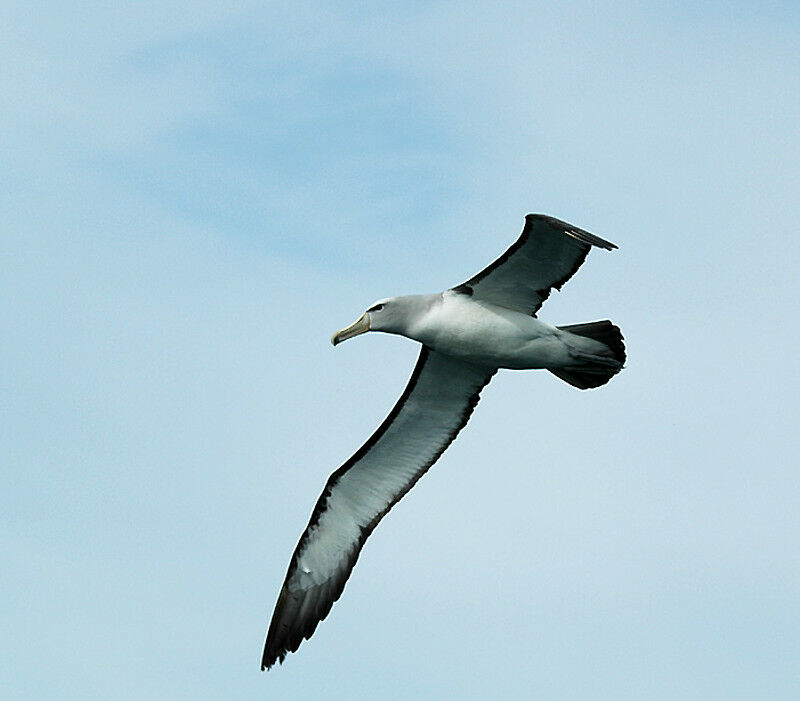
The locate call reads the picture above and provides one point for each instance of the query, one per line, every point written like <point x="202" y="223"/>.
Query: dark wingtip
<point x="574" y="231"/>
<point x="271" y="658"/>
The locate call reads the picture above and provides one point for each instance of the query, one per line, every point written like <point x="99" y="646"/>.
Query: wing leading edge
<point x="434" y="407"/>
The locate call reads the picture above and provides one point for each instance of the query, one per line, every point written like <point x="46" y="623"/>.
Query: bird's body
<point x="480" y="332"/>
<point x="467" y="333"/>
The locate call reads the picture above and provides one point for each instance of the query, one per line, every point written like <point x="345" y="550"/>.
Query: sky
<point x="195" y="196"/>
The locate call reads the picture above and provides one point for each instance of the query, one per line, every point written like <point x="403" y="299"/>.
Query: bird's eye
<point x="376" y="308"/>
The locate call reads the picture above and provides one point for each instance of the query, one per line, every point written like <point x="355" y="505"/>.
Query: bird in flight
<point x="467" y="333"/>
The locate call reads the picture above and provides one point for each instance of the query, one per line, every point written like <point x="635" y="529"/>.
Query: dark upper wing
<point x="434" y="406"/>
<point x="545" y="256"/>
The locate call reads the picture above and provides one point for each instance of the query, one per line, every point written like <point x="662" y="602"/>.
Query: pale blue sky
<point x="194" y="196"/>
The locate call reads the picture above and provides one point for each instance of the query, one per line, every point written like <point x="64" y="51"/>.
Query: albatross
<point x="467" y="333"/>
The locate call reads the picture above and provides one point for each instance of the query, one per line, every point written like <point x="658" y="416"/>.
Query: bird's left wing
<point x="547" y="254"/>
<point x="434" y="407"/>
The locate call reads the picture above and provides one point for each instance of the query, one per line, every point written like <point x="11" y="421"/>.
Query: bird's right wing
<point x="435" y="406"/>
<point x="546" y="255"/>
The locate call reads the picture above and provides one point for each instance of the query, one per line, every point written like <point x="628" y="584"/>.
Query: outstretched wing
<point x="434" y="407"/>
<point x="546" y="255"/>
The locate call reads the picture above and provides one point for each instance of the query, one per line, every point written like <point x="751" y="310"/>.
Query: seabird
<point x="467" y="333"/>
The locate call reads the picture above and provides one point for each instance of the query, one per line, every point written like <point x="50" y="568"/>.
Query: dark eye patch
<point x="376" y="308"/>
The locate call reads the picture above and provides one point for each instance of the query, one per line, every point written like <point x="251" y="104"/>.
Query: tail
<point x="595" y="371"/>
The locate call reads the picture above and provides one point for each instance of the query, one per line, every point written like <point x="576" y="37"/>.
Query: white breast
<point x="488" y="334"/>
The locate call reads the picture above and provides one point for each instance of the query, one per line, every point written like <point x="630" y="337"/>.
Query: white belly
<point x="491" y="335"/>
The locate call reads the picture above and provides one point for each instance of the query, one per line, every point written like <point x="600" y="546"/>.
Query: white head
<point x="390" y="315"/>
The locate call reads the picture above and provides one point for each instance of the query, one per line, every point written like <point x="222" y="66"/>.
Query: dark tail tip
<point x="603" y="331"/>
<point x="587" y="378"/>
<point x="595" y="375"/>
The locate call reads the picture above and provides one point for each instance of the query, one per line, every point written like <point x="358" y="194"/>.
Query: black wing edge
<point x="531" y="220"/>
<point x="574" y="231"/>
<point x="280" y="642"/>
